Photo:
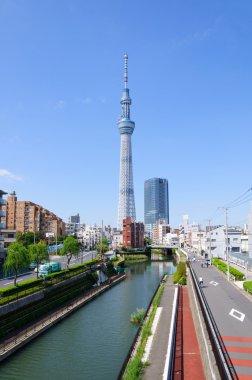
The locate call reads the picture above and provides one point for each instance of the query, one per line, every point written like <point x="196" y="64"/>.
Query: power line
<point x="243" y="198"/>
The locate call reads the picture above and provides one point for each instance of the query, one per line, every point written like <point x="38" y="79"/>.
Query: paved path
<point x="232" y="312"/>
<point x="193" y="368"/>
<point x="160" y="340"/>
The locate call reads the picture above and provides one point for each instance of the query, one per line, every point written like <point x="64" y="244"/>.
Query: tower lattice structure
<point x="126" y="207"/>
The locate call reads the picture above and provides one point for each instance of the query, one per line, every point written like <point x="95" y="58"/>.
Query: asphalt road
<point x="232" y="312"/>
<point x="84" y="256"/>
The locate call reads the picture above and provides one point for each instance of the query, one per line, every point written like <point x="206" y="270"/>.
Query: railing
<point x="225" y="366"/>
<point x="168" y="372"/>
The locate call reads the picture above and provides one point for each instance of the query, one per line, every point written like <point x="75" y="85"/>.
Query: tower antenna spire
<point x="125" y="70"/>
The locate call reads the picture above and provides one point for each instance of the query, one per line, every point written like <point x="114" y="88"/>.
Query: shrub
<point x="223" y="268"/>
<point x="180" y="274"/>
<point x="4" y="292"/>
<point x="182" y="280"/>
<point x="138" y="316"/>
<point x="247" y="285"/>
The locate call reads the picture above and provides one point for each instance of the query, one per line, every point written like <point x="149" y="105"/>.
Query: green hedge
<point x="18" y="290"/>
<point x="247" y="285"/>
<point x="20" y="294"/>
<point x="223" y="268"/>
<point x="180" y="274"/>
<point x="56" y="297"/>
<point x="5" y="292"/>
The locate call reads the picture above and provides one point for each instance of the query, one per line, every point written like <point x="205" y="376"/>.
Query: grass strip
<point x="135" y="366"/>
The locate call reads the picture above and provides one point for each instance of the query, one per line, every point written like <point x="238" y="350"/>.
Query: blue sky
<point x="190" y="79"/>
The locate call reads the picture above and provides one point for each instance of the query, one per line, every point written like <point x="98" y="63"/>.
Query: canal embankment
<point x="11" y="345"/>
<point x="144" y="349"/>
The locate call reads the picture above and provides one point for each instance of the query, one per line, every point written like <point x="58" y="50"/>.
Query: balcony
<point x="2" y="226"/>
<point x="2" y="201"/>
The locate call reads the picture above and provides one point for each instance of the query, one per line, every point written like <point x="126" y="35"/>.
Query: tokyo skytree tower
<point x="126" y="127"/>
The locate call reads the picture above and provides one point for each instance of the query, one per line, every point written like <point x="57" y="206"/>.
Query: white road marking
<point x="12" y="282"/>
<point x="237" y="314"/>
<point x="213" y="283"/>
<point x="150" y="338"/>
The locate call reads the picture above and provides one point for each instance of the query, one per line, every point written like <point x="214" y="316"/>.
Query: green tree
<point x="147" y="240"/>
<point x="17" y="257"/>
<point x="102" y="246"/>
<point x="38" y="253"/>
<point x="70" y="247"/>
<point x="27" y="238"/>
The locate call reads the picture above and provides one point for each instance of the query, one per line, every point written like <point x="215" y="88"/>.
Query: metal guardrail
<point x="223" y="361"/>
<point x="176" y="327"/>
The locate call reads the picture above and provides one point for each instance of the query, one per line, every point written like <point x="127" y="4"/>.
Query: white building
<point x="117" y="239"/>
<point x="171" y="239"/>
<point x="216" y="241"/>
<point x="89" y="236"/>
<point x="160" y="230"/>
<point x="250" y="232"/>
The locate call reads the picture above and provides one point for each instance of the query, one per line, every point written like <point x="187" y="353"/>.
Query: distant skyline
<point x="190" y="80"/>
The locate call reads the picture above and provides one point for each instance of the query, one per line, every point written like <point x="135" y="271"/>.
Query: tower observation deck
<point x="126" y="206"/>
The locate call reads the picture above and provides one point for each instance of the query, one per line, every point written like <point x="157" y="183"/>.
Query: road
<point x="232" y="312"/>
<point x="84" y="256"/>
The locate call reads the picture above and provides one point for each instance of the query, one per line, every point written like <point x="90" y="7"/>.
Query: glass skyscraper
<point x="156" y="201"/>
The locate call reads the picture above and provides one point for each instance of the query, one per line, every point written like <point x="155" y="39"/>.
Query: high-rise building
<point x="25" y="216"/>
<point x="75" y="219"/>
<point x="126" y="207"/>
<point x="156" y="202"/>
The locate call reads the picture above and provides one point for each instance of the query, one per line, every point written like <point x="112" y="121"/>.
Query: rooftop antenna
<point x="125" y="70"/>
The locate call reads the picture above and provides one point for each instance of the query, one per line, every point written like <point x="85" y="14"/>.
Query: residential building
<point x="133" y="233"/>
<point x="156" y="202"/>
<point x="2" y="224"/>
<point x="117" y="239"/>
<point x="216" y="241"/>
<point x="89" y="236"/>
<point x="26" y="216"/>
<point x="160" y="230"/>
<point x="250" y="232"/>
<point x="72" y="228"/>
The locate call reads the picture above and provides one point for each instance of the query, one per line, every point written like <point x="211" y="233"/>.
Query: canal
<point x="93" y="342"/>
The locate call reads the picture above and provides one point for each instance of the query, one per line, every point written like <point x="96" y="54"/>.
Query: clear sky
<point x="190" y="80"/>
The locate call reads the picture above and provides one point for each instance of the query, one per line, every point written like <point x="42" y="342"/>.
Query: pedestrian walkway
<point x="158" y="349"/>
<point x="192" y="363"/>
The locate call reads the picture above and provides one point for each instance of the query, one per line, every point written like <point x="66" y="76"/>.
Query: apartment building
<point x="216" y="241"/>
<point x="26" y="216"/>
<point x="2" y="223"/>
<point x="133" y="233"/>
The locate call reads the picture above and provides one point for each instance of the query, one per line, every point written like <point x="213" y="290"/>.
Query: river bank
<point x="8" y="347"/>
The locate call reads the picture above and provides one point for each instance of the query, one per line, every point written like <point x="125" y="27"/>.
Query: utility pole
<point x="227" y="252"/>
<point x="210" y="239"/>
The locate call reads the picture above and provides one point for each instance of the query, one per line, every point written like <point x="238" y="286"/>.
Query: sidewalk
<point x="159" y="345"/>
